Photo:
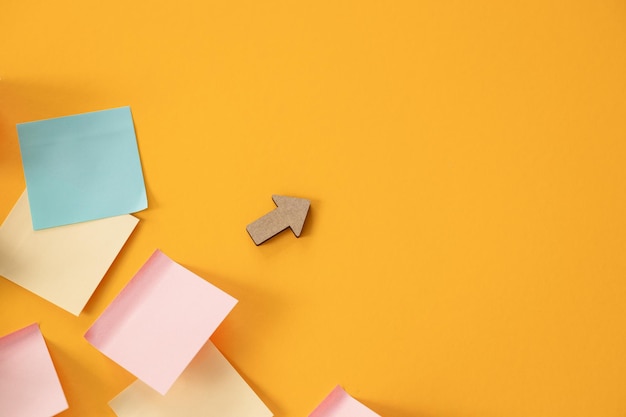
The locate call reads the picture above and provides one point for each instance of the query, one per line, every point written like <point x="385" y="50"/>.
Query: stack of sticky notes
<point x="158" y="328"/>
<point x="83" y="179"/>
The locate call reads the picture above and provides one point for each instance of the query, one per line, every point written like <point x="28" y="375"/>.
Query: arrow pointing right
<point x="291" y="212"/>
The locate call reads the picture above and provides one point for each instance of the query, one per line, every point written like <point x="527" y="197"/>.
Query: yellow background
<point x="465" y="250"/>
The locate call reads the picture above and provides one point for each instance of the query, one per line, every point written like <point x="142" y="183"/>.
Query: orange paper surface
<point x="464" y="253"/>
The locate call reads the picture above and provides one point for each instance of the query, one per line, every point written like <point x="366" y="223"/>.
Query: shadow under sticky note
<point x="340" y="404"/>
<point x="29" y="384"/>
<point x="209" y="386"/>
<point x="159" y="321"/>
<point x="63" y="265"/>
<point x="82" y="167"/>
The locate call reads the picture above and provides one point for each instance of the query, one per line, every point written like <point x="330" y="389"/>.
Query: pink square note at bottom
<point x="340" y="404"/>
<point x="29" y="385"/>
<point x="159" y="321"/>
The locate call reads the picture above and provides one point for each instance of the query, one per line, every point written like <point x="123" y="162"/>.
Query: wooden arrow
<point x="290" y="212"/>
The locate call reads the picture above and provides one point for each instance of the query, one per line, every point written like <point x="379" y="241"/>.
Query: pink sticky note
<point x="159" y="321"/>
<point x="29" y="385"/>
<point x="340" y="404"/>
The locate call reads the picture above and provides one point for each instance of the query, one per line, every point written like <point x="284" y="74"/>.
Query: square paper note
<point x="64" y="264"/>
<point x="340" y="404"/>
<point x="159" y="321"/>
<point x="82" y="167"/>
<point x="29" y="385"/>
<point x="210" y="386"/>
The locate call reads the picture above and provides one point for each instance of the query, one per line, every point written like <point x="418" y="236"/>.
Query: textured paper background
<point x="464" y="252"/>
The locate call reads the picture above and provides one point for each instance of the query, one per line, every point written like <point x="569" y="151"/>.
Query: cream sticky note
<point x="340" y="404"/>
<point x="63" y="265"/>
<point x="209" y="386"/>
<point x="159" y="321"/>
<point x="29" y="384"/>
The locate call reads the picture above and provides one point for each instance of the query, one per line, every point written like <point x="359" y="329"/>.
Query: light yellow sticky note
<point x="209" y="386"/>
<point x="65" y="264"/>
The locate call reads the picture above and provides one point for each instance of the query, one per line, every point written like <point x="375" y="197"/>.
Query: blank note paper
<point x="340" y="404"/>
<point x="159" y="321"/>
<point x="63" y="265"/>
<point x="82" y="167"/>
<point x="29" y="385"/>
<point x="209" y="386"/>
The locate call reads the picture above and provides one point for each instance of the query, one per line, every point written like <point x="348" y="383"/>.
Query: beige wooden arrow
<point x="290" y="212"/>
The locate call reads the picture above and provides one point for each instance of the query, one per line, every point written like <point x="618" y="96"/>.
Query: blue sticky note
<point x="82" y="167"/>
